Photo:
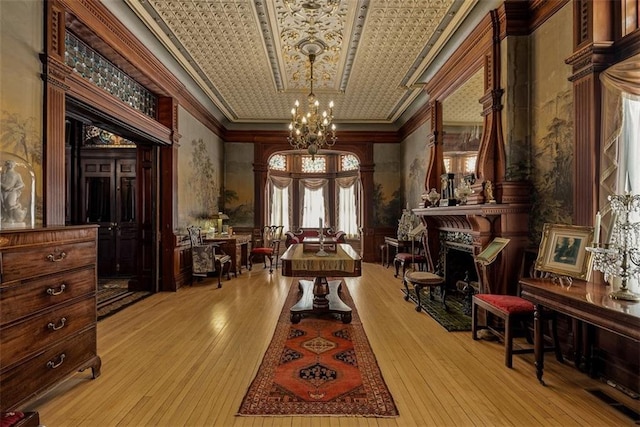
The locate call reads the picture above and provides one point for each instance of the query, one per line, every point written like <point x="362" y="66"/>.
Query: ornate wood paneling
<point x="54" y="75"/>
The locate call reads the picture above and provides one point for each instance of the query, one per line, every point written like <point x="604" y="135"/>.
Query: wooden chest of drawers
<point x="47" y="309"/>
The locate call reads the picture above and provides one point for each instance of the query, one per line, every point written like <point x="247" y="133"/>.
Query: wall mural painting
<point x="239" y="182"/>
<point x="203" y="182"/>
<point x="415" y="161"/>
<point x="553" y="168"/>
<point x="387" y="186"/>
<point x="417" y="177"/>
<point x="20" y="158"/>
<point x="386" y="213"/>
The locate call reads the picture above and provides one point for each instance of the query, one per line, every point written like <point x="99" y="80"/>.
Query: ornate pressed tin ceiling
<point x="250" y="58"/>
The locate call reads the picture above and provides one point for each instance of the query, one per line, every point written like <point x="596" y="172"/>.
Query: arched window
<point x="302" y="190"/>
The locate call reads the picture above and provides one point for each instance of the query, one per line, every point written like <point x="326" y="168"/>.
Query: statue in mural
<point x="11" y="185"/>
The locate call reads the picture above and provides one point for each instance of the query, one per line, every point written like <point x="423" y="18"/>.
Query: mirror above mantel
<point x="462" y="124"/>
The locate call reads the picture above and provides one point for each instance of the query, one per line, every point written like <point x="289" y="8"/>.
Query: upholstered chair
<point x="207" y="259"/>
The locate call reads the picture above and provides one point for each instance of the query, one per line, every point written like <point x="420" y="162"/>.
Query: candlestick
<point x="596" y="229"/>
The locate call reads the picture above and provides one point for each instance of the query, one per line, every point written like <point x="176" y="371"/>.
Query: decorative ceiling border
<point x="181" y="54"/>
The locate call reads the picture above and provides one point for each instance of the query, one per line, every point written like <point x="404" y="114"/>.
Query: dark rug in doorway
<point x="114" y="295"/>
<point x="453" y="320"/>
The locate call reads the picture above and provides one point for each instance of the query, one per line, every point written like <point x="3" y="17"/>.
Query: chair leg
<point x="220" y="275"/>
<point x="418" y="290"/>
<point x="406" y="287"/>
<point x="508" y="343"/>
<point x="396" y="264"/>
<point x="270" y="263"/>
<point x="474" y="321"/>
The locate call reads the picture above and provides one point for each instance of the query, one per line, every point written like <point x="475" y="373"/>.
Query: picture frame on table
<point x="563" y="251"/>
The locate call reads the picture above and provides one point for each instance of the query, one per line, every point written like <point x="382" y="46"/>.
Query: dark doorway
<point x="108" y="199"/>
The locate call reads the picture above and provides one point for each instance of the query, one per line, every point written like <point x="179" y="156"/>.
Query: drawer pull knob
<point x="54" y="258"/>
<point x="52" y="291"/>
<point x="53" y="365"/>
<point x="53" y="327"/>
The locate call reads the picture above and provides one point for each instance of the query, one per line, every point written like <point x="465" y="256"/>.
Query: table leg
<point x="320" y="292"/>
<point x="538" y="342"/>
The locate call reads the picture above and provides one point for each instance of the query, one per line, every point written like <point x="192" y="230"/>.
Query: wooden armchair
<point x="417" y="257"/>
<point x="207" y="259"/>
<point x="424" y="276"/>
<point x="270" y="249"/>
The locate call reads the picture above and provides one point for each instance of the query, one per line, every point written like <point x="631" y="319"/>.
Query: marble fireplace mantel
<point x="483" y="222"/>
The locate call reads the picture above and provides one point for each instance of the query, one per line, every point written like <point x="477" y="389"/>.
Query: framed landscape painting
<point x="563" y="250"/>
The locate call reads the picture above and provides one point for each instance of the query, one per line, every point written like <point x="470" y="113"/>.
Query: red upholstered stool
<point x="512" y="310"/>
<point x="19" y="419"/>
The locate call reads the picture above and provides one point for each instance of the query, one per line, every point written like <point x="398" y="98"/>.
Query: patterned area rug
<point x="453" y="320"/>
<point x="114" y="295"/>
<point x="319" y="366"/>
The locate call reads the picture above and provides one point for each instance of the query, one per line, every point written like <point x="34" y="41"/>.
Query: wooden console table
<point x="236" y="246"/>
<point x="585" y="301"/>
<point x="321" y="296"/>
<point x="400" y="245"/>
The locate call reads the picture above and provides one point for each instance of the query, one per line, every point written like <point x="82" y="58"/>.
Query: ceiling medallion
<point x="312" y="130"/>
<point x="316" y="8"/>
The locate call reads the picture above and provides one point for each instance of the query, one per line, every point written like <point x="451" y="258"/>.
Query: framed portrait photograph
<point x="563" y="250"/>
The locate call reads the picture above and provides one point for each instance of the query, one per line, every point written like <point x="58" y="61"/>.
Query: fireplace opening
<point x="460" y="271"/>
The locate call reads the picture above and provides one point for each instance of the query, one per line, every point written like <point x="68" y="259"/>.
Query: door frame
<point x="148" y="187"/>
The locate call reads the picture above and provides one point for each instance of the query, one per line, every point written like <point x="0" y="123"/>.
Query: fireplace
<point x="457" y="233"/>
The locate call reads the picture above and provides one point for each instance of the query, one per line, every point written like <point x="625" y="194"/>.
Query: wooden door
<point x="109" y="196"/>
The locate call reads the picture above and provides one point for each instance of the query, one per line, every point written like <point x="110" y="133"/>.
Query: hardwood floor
<point x="187" y="358"/>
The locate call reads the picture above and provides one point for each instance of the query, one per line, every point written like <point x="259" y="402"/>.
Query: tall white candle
<point x="596" y="228"/>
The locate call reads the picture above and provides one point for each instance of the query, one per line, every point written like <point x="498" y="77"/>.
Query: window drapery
<point x="348" y="203"/>
<point x="315" y="192"/>
<point x="620" y="97"/>
<point x="278" y="197"/>
<point x="620" y="153"/>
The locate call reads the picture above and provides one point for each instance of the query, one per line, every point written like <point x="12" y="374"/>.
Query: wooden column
<point x="54" y="75"/>
<point x="593" y="39"/>
<point x="168" y="194"/>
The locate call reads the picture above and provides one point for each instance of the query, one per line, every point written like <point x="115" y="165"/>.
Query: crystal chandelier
<point x="312" y="130"/>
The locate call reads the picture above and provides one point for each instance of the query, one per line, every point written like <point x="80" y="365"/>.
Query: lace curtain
<point x="620" y="134"/>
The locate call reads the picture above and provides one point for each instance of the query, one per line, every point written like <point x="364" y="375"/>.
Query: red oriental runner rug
<point x="319" y="366"/>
